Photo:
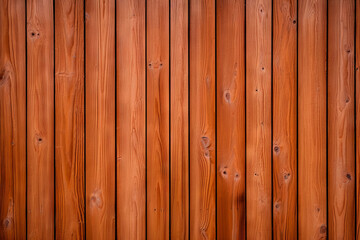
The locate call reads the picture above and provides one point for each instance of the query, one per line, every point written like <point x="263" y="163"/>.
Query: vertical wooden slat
<point x="12" y="120"/>
<point x="69" y="118"/>
<point x="341" y="202"/>
<point x="100" y="119"/>
<point x="285" y="119"/>
<point x="40" y="119"/>
<point x="158" y="119"/>
<point x="258" y="119"/>
<point x="131" y="197"/>
<point x="202" y="120"/>
<point x="357" y="104"/>
<point x="312" y="119"/>
<point x="179" y="120"/>
<point x="231" y="119"/>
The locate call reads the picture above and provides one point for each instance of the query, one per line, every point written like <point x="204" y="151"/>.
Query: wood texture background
<point x="179" y="119"/>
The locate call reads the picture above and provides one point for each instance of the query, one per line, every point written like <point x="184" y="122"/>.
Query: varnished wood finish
<point x="158" y="119"/>
<point x="341" y="131"/>
<point x="357" y="112"/>
<point x="131" y="195"/>
<point x="40" y="119"/>
<point x="202" y="120"/>
<point x="231" y="112"/>
<point x="100" y="119"/>
<point x="12" y="120"/>
<point x="285" y="119"/>
<point x="179" y="124"/>
<point x="69" y="115"/>
<point x="258" y="119"/>
<point x="312" y="119"/>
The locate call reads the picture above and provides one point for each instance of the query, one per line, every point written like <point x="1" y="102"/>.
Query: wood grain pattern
<point x="258" y="119"/>
<point x="40" y="119"/>
<point x="357" y="112"/>
<point x="202" y="120"/>
<point x="12" y="120"/>
<point x="158" y="119"/>
<point x="341" y="133"/>
<point x="100" y="119"/>
<point x="69" y="118"/>
<point x="179" y="124"/>
<point x="285" y="119"/>
<point x="131" y="192"/>
<point x="312" y="119"/>
<point x="231" y="112"/>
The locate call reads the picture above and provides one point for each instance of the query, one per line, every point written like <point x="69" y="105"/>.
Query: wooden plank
<point x="231" y="119"/>
<point x="69" y="118"/>
<point x="158" y="119"/>
<point x="179" y="120"/>
<point x="285" y="119"/>
<point x="100" y="119"/>
<point x="341" y="131"/>
<point x="12" y="120"/>
<point x="258" y="119"/>
<point x="312" y="119"/>
<point x="202" y="120"/>
<point x="40" y="119"/>
<point x="131" y="192"/>
<point x="357" y="104"/>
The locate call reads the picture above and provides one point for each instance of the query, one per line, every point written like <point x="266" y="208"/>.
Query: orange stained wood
<point x="158" y="119"/>
<point x="312" y="199"/>
<point x="341" y="131"/>
<point x="202" y="120"/>
<point x="130" y="119"/>
<point x="357" y="112"/>
<point x="179" y="125"/>
<point x="100" y="119"/>
<point x="285" y="119"/>
<point x="69" y="115"/>
<point x="40" y="119"/>
<point x="12" y="120"/>
<point x="258" y="119"/>
<point x="231" y="215"/>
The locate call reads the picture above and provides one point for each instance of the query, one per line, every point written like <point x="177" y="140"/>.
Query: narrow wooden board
<point x="202" y="120"/>
<point x="179" y="78"/>
<point x="158" y="119"/>
<point x="285" y="119"/>
<point x="100" y="118"/>
<point x="40" y="119"/>
<point x="312" y="65"/>
<point x="341" y="131"/>
<point x="231" y="215"/>
<point x="131" y="191"/>
<point x="12" y="120"/>
<point x="258" y="119"/>
<point x="69" y="119"/>
<point x="357" y="105"/>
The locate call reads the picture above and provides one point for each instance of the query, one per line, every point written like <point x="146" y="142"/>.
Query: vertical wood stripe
<point x="12" y="120"/>
<point x="130" y="64"/>
<point x="100" y="119"/>
<point x="341" y="138"/>
<point x="258" y="119"/>
<point x="230" y="112"/>
<point x="357" y="112"/>
<point x="69" y="117"/>
<point x="312" y="31"/>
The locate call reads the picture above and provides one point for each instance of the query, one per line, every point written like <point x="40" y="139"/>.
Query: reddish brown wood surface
<point x="158" y="119"/>
<point x="312" y="31"/>
<point x="179" y="125"/>
<point x="258" y="119"/>
<point x="69" y="117"/>
<point x="40" y="119"/>
<point x="130" y="119"/>
<point x="231" y="112"/>
<point x="284" y="119"/>
<point x="100" y="119"/>
<point x="12" y="120"/>
<point x="341" y="131"/>
<point x="357" y="112"/>
<point x="202" y="120"/>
